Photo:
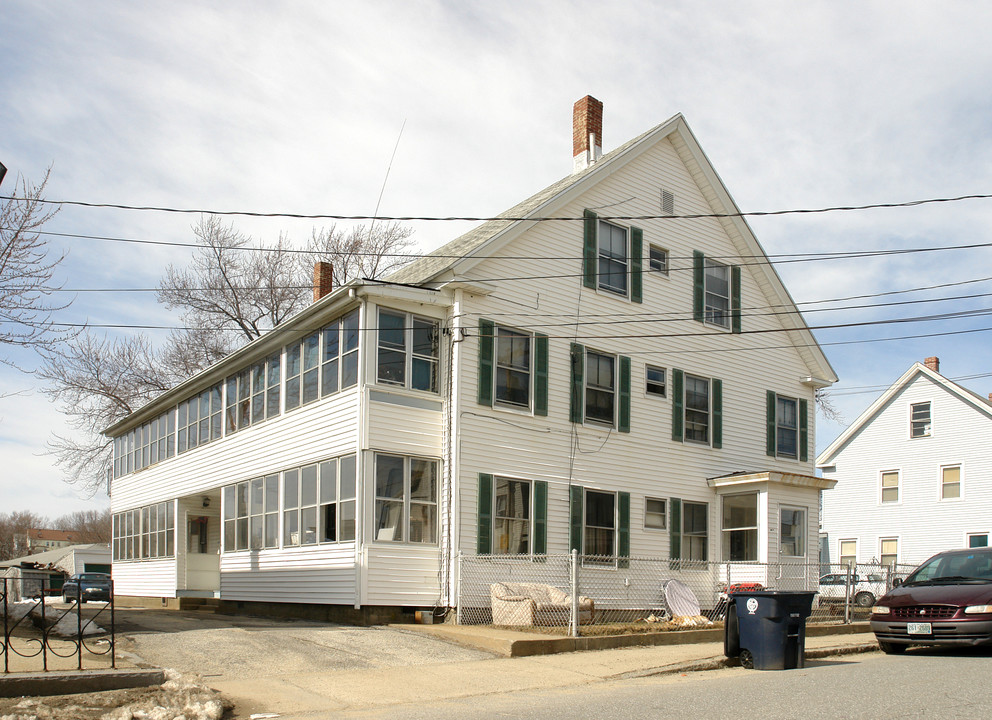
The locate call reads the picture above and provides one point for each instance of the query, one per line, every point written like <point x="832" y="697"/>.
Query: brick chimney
<point x="323" y="279"/>
<point x="933" y="363"/>
<point x="587" y="133"/>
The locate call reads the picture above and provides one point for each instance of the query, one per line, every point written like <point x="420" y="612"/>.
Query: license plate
<point x="919" y="629"/>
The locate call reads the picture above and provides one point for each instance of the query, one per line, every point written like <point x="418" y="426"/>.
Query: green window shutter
<point x="485" y="546"/>
<point x="623" y="530"/>
<point x="697" y="285"/>
<point x="717" y="411"/>
<point x="803" y="431"/>
<point x="624" y="422"/>
<point x="575" y="518"/>
<point x="575" y="405"/>
<point x="540" y="374"/>
<point x="486" y="351"/>
<point x="735" y="298"/>
<point x="590" y="251"/>
<point x="540" y="517"/>
<point x="675" y="529"/>
<point x="771" y="431"/>
<point x="677" y="405"/>
<point x="636" y="259"/>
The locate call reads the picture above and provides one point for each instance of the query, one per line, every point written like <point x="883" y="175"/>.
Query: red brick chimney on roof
<point x="933" y="363"/>
<point x="323" y="279"/>
<point x="587" y="132"/>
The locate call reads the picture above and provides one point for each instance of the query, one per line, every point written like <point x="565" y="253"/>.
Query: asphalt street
<point x="923" y="683"/>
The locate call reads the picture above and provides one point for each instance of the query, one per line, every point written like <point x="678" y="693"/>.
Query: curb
<point x="716" y="663"/>
<point x="69" y="683"/>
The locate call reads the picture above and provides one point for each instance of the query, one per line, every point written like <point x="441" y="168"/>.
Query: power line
<point x="430" y="218"/>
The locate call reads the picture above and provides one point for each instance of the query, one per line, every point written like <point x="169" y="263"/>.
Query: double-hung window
<point x="716" y="293"/>
<point x="655" y="514"/>
<point x="888" y="551"/>
<point x="512" y="516"/>
<point x="695" y="535"/>
<point x="787" y="430"/>
<point x="950" y="482"/>
<point x="658" y="259"/>
<point x="251" y="514"/>
<point x="599" y="532"/>
<point x="200" y="419"/>
<point x="513" y="368"/>
<point x="848" y="552"/>
<point x="405" y="499"/>
<point x="697" y="409"/>
<point x="599" y="524"/>
<point x="611" y="257"/>
<point x="254" y="394"/>
<point x="303" y="371"/>
<point x="740" y="527"/>
<point x="600" y="388"/>
<point x="889" y="490"/>
<point x="407" y="351"/>
<point x="339" y="354"/>
<point x="299" y="506"/>
<point x="654" y="378"/>
<point x="336" y="500"/>
<point x="919" y="422"/>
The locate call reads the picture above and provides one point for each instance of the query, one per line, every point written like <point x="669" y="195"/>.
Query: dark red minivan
<point x="945" y="601"/>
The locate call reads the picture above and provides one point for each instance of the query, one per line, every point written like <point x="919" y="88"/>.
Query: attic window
<point x="919" y="425"/>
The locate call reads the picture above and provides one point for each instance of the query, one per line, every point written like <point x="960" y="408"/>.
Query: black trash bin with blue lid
<point x="767" y="628"/>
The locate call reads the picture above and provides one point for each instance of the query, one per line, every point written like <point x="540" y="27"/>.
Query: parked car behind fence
<point x="87" y="586"/>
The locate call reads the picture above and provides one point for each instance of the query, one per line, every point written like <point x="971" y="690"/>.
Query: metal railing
<point x="584" y="595"/>
<point x="37" y="634"/>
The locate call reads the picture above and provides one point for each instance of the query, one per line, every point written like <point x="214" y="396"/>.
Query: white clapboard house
<point x="625" y="382"/>
<point x="914" y="473"/>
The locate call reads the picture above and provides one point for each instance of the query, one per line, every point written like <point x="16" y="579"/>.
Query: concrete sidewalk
<point x="321" y="691"/>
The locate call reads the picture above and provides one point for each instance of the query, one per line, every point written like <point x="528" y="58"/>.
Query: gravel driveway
<point x="238" y="646"/>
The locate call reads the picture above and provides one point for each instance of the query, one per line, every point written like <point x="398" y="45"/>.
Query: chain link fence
<point x="582" y="595"/>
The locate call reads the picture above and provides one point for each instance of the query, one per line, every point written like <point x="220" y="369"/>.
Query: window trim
<point x="840" y="550"/>
<point x="664" y="514"/>
<point x="780" y="427"/>
<point x="881" y="488"/>
<point x="942" y="484"/>
<point x="727" y="532"/>
<point x="410" y="356"/>
<point x="804" y="538"/>
<point x="531" y="368"/>
<point x="648" y="382"/>
<point x="406" y="500"/>
<point x="624" y="262"/>
<point x="710" y="312"/>
<point x="613" y="389"/>
<point x="686" y="409"/>
<point x="881" y="554"/>
<point x="652" y="249"/>
<point x="987" y="534"/>
<point x="927" y="430"/>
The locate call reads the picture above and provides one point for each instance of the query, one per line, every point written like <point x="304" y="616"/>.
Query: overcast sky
<point x="295" y="107"/>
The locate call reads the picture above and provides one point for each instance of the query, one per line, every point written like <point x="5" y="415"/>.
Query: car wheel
<point x="66" y="599"/>
<point x="891" y="648"/>
<point x="864" y="599"/>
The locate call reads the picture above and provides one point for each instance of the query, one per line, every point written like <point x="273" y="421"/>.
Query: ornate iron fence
<point x="597" y="595"/>
<point x="37" y="634"/>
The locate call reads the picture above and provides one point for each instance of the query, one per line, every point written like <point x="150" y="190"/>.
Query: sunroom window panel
<point x="349" y="350"/>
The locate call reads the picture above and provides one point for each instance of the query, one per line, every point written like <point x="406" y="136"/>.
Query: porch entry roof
<point x="745" y="479"/>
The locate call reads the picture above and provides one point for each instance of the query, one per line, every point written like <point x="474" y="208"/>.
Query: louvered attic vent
<point x="667" y="202"/>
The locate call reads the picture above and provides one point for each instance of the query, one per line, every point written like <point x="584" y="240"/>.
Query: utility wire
<point x="406" y="218"/>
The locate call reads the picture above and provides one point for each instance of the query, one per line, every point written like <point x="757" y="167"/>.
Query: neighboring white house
<point x="624" y="382"/>
<point x="26" y="575"/>
<point x="914" y="473"/>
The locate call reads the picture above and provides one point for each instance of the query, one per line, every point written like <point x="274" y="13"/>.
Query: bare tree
<point x="26" y="272"/>
<point x="13" y="532"/>
<point x="232" y="292"/>
<point x="825" y="404"/>
<point x="362" y="252"/>
<point x="93" y="525"/>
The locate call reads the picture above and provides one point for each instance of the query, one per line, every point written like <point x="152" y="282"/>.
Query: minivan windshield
<point x="951" y="567"/>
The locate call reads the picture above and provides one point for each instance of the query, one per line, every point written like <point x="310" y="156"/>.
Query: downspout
<point x="361" y="439"/>
<point x="452" y="455"/>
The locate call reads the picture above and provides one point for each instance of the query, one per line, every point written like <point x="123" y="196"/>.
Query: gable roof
<point x="474" y="246"/>
<point x="916" y="370"/>
<point x="52" y="558"/>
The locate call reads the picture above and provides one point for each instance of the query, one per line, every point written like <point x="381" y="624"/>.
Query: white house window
<point x="254" y="394"/>
<point x="408" y="351"/>
<point x="655" y="514"/>
<point x="405" y="499"/>
<point x="848" y="552"/>
<point x="513" y="367"/>
<point x="655" y="381"/>
<point x="697" y="409"/>
<point x="339" y="354"/>
<point x="336" y="500"/>
<point x="740" y="527"/>
<point x="612" y="258"/>
<point x="299" y="501"/>
<point x="251" y="514"/>
<point x="600" y="524"/>
<point x="303" y="371"/>
<point x="890" y="486"/>
<point x="147" y="532"/>
<point x="792" y="532"/>
<point x="919" y="424"/>
<point x="658" y="259"/>
<point x="695" y="540"/>
<point x="716" y="293"/>
<point x="200" y="419"/>
<point x="978" y="540"/>
<point x="512" y="518"/>
<point x="950" y="482"/>
<point x="888" y="551"/>
<point x="786" y="427"/>
<point x="600" y="388"/>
